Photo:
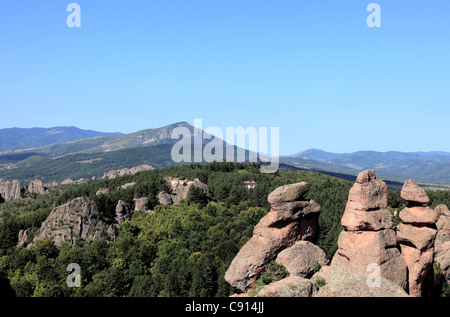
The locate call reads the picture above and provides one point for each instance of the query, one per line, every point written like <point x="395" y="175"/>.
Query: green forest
<point x="181" y="250"/>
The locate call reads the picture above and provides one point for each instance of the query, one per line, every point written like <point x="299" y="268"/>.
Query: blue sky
<point x="312" y="68"/>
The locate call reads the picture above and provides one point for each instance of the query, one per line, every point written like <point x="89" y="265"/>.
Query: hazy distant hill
<point x="19" y="138"/>
<point x="433" y="167"/>
<point x="99" y="144"/>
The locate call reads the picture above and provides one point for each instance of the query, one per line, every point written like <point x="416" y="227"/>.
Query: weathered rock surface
<point x="414" y="194"/>
<point x="179" y="190"/>
<point x="301" y="259"/>
<point x="165" y="199"/>
<point x="23" y="238"/>
<point x="416" y="236"/>
<point x="67" y="181"/>
<point x="127" y="185"/>
<point x="141" y="204"/>
<point x="292" y="286"/>
<point x="342" y="280"/>
<point x="36" y="187"/>
<point x="102" y="191"/>
<point x="78" y="219"/>
<point x="11" y="190"/>
<point x="442" y="242"/>
<point x="368" y="238"/>
<point x="122" y="213"/>
<point x="289" y="220"/>
<point x="126" y="171"/>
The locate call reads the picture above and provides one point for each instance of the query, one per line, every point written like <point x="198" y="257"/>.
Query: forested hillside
<point x="178" y="250"/>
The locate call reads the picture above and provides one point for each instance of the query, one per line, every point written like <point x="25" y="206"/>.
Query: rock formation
<point x="36" y="187"/>
<point x="23" y="238"/>
<point x="179" y="190"/>
<point x="442" y="242"/>
<point x="367" y="244"/>
<point x="127" y="185"/>
<point x="165" y="199"/>
<point x="416" y="236"/>
<point x="102" y="191"/>
<point x="368" y="237"/>
<point x="141" y="204"/>
<point x="67" y="181"/>
<point x="122" y="213"/>
<point x="290" y="219"/>
<point x="126" y="171"/>
<point x="78" y="219"/>
<point x="10" y="190"/>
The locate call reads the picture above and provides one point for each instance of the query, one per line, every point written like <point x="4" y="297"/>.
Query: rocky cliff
<point x="11" y="190"/>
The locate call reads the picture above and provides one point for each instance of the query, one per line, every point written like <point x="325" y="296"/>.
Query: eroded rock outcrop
<point x="122" y="213"/>
<point x="290" y="219"/>
<point x="76" y="220"/>
<point x="142" y="204"/>
<point x="416" y="236"/>
<point x="368" y="237"/>
<point x="10" y="190"/>
<point x="368" y="243"/>
<point x="442" y="242"/>
<point x="127" y="171"/>
<point x="36" y="187"/>
<point x="179" y="190"/>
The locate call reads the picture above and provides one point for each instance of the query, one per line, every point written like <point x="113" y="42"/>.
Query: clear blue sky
<point x="312" y="68"/>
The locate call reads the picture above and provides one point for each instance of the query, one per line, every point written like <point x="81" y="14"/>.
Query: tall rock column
<point x="290" y="219"/>
<point x="416" y="236"/>
<point x="368" y="239"/>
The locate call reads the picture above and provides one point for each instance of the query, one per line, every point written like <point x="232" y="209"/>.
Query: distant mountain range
<point x="77" y="153"/>
<point x="12" y="139"/>
<point x="433" y="167"/>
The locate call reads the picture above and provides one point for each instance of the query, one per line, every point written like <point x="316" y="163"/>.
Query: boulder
<point x="414" y="193"/>
<point x="165" y="199"/>
<point x="302" y="259"/>
<point x="287" y="222"/>
<point x="343" y="280"/>
<point x="292" y="286"/>
<point x="76" y="220"/>
<point x="36" y="187"/>
<point x="141" y="204"/>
